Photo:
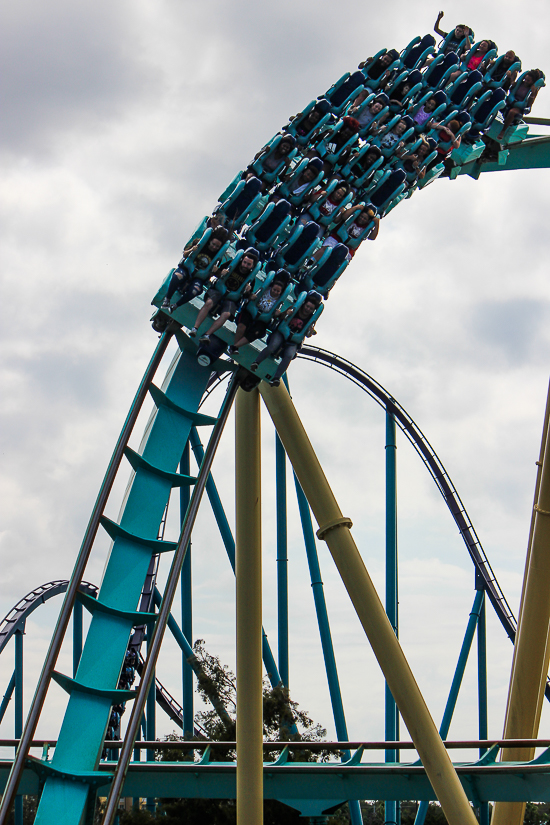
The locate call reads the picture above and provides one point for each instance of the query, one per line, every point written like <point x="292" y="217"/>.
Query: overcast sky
<point x="122" y="124"/>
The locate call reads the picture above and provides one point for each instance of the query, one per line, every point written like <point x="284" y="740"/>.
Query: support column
<point x="18" y="728"/>
<point x="77" y="635"/>
<point x="482" y="697"/>
<point x="150" y="727"/>
<point x="186" y="610"/>
<point x="249" y="610"/>
<point x="334" y="528"/>
<point x="282" y="561"/>
<point x="530" y="662"/>
<point x="391" y="807"/>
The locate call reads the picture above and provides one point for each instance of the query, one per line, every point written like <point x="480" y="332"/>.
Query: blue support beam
<point x="282" y="560"/>
<point x="7" y="696"/>
<point x="18" y="727"/>
<point x="326" y="637"/>
<point x="455" y="685"/>
<point x="229" y="544"/>
<point x="186" y="610"/>
<point x="482" y="696"/>
<point x="391" y="807"/>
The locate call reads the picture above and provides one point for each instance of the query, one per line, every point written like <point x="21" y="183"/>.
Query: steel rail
<point x="76" y="578"/>
<point x="165" y="608"/>
<point x="436" y="469"/>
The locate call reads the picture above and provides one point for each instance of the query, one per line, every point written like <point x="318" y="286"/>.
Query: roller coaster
<point x="252" y="283"/>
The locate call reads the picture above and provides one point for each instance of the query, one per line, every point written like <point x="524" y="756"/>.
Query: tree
<point x="284" y="720"/>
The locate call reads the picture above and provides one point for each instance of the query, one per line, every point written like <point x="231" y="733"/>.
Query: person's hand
<point x="440" y="15"/>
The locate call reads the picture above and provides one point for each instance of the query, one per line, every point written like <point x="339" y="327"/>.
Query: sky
<point x="122" y="123"/>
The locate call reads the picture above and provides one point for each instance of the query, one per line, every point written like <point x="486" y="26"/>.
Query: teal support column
<point x="391" y="807"/>
<point x="282" y="560"/>
<point x="18" y="727"/>
<point x="455" y="685"/>
<point x="186" y="609"/>
<point x="7" y="696"/>
<point x="150" y="727"/>
<point x="326" y="637"/>
<point x="482" y="696"/>
<point x="77" y="635"/>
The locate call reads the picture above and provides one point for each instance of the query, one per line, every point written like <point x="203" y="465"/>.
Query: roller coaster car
<point x="240" y="203"/>
<point x="437" y="73"/>
<point x="417" y="52"/>
<point x="301" y="245"/>
<point x="324" y="274"/>
<point x="266" y="231"/>
<point x="344" y="90"/>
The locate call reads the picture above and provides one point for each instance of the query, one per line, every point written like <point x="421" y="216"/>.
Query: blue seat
<point x="240" y="203"/>
<point x="267" y="317"/>
<point x="323" y="146"/>
<point x="414" y="80"/>
<point x="298" y="337"/>
<point x="415" y="54"/>
<point x="513" y="102"/>
<point x="237" y="294"/>
<point x="301" y="245"/>
<point x="442" y="104"/>
<point x="322" y="107"/>
<point x="486" y="109"/>
<point x="384" y="112"/>
<point x="343" y="90"/>
<point x="267" y="229"/>
<point x="343" y="231"/>
<point x="409" y="132"/>
<point x="373" y="82"/>
<point x="189" y="262"/>
<point x="324" y="274"/>
<point x="465" y="88"/>
<point x="392" y="185"/>
<point x="315" y="209"/>
<point x="284" y="189"/>
<point x="490" y="55"/>
<point x="489" y="79"/>
<point x="355" y="172"/>
<point x="257" y="165"/>
<point x="464" y="45"/>
<point x="437" y="73"/>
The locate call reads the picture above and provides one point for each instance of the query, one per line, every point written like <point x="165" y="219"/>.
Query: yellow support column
<point x="250" y="796"/>
<point x="334" y="529"/>
<point x="531" y="649"/>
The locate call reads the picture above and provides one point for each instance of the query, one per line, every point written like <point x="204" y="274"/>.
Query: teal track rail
<point x="94" y="690"/>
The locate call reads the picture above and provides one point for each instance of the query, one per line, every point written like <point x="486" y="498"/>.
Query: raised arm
<point x="437" y="30"/>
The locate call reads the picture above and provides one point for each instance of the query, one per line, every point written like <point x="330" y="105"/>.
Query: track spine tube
<point x="147" y="675"/>
<point x="391" y="725"/>
<point x="78" y="572"/>
<point x="369" y="608"/>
